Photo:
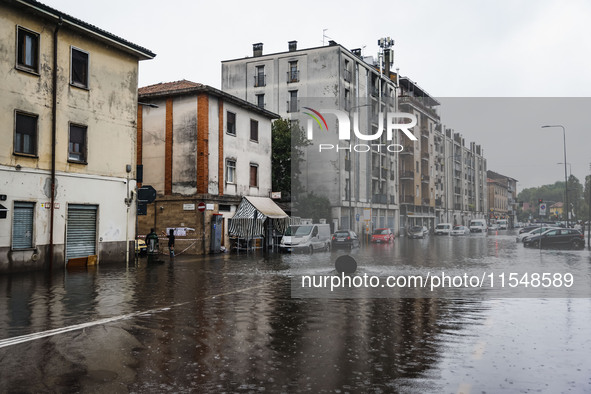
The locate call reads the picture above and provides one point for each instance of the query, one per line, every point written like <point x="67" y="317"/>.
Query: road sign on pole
<point x="542" y="209"/>
<point x="201" y="207"/>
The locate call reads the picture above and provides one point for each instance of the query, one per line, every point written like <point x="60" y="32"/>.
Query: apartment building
<point x="197" y="144"/>
<point x="67" y="154"/>
<point x="461" y="187"/>
<point x="417" y="160"/>
<point x="504" y="191"/>
<point x="358" y="177"/>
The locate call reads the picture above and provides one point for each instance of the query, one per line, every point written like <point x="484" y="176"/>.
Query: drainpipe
<point x="53" y="140"/>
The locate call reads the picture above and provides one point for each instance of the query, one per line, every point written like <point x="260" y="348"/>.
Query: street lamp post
<point x="565" y="162"/>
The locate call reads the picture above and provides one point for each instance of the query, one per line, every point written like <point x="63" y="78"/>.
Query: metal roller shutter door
<point x="81" y="233"/>
<point x="22" y="225"/>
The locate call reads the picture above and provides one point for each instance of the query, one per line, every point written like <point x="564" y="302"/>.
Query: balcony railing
<point x="408" y="150"/>
<point x="425" y="156"/>
<point x="425" y="178"/>
<point x="293" y="106"/>
<point x="293" y="76"/>
<point x="347" y="75"/>
<point x="408" y="199"/>
<point x="259" y="80"/>
<point x="380" y="199"/>
<point x="407" y="175"/>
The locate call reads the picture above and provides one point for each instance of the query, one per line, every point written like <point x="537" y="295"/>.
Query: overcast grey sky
<point x="452" y="48"/>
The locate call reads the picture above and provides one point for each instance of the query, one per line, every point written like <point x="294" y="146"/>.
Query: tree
<point x="288" y="140"/>
<point x="315" y="207"/>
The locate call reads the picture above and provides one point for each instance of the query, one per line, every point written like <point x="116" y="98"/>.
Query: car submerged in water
<point x="382" y="235"/>
<point x="417" y="232"/>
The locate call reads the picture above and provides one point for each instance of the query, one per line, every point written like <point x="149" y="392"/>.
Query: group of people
<point x="153" y="243"/>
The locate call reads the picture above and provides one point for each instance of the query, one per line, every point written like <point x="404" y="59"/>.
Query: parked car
<point x="345" y="239"/>
<point x="140" y="246"/>
<point x="306" y="238"/>
<point x="478" y="226"/>
<point x="443" y="229"/>
<point x="460" y="230"/>
<point x="522" y="236"/>
<point x="417" y="232"/>
<point x="382" y="235"/>
<point x="557" y="238"/>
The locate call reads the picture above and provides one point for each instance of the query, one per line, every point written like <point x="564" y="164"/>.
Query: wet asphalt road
<point x="231" y="323"/>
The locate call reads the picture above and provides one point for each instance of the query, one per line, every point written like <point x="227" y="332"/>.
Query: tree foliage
<point x="287" y="139"/>
<point x="313" y="206"/>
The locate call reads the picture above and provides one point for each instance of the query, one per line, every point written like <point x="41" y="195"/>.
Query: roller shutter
<point x="81" y="231"/>
<point x="22" y="225"/>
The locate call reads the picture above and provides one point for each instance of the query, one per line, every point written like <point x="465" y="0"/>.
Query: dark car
<point x="557" y="238"/>
<point x="345" y="239"/>
<point x="382" y="235"/>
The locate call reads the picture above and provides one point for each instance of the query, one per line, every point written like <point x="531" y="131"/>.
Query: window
<point x="292" y="104"/>
<point x="22" y="225"/>
<point x="79" y="68"/>
<point x="27" y="56"/>
<point x="77" y="145"/>
<point x="261" y="100"/>
<point x="293" y="73"/>
<point x="254" y="130"/>
<point x="230" y="171"/>
<point x="259" y="78"/>
<point x="231" y="123"/>
<point x="347" y="71"/>
<point x="254" y="175"/>
<point x="25" y="134"/>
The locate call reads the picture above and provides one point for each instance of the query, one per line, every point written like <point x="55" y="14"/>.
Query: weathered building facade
<point x="198" y="144"/>
<point x="68" y="100"/>
<point x="361" y="185"/>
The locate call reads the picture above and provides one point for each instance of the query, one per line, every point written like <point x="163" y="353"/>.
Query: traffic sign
<point x="542" y="209"/>
<point x="201" y="207"/>
<point x="146" y="194"/>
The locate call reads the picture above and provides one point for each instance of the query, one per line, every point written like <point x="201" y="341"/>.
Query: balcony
<point x="259" y="80"/>
<point x="426" y="201"/>
<point x="293" y="106"/>
<point x="410" y="100"/>
<point x="424" y="132"/>
<point x="408" y="150"/>
<point x="379" y="199"/>
<point x="438" y="202"/>
<point x="457" y="190"/>
<point x="408" y="199"/>
<point x="407" y="175"/>
<point x="425" y="156"/>
<point x="347" y="75"/>
<point x="293" y="76"/>
<point x="425" y="178"/>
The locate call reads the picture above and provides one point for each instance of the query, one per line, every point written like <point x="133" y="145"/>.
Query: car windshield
<point x="298" y="230"/>
<point x="458" y="227"/>
<point x="416" y="228"/>
<point x="381" y="231"/>
<point x="442" y="226"/>
<point x="475" y="223"/>
<point x="341" y="233"/>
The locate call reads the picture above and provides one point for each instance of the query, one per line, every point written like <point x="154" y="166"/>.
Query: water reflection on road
<point x="229" y="323"/>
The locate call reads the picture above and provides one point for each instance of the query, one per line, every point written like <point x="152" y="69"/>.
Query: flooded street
<point x="231" y="323"/>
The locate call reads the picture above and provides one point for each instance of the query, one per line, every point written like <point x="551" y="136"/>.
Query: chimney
<point x="257" y="49"/>
<point x="356" y="52"/>
<point x="292" y="45"/>
<point x="387" y="62"/>
<point x="332" y="43"/>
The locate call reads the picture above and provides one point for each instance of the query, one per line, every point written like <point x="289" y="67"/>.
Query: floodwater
<point x="231" y="323"/>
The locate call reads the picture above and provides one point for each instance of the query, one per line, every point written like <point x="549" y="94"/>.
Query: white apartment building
<point x="361" y="185"/>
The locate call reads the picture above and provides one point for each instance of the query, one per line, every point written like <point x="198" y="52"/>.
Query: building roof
<point x="185" y="87"/>
<point x="83" y="27"/>
<point x="496" y="175"/>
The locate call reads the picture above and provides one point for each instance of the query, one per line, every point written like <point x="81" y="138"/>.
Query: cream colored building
<point x="70" y="86"/>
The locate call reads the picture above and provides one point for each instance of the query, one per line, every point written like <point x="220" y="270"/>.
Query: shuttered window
<point x="22" y="225"/>
<point x="81" y="231"/>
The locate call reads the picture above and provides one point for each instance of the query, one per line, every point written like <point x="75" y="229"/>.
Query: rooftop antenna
<point x="324" y="36"/>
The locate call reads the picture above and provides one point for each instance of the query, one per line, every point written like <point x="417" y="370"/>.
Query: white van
<point x="306" y="238"/>
<point x="443" y="229"/>
<point x="503" y="224"/>
<point x="478" y="226"/>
